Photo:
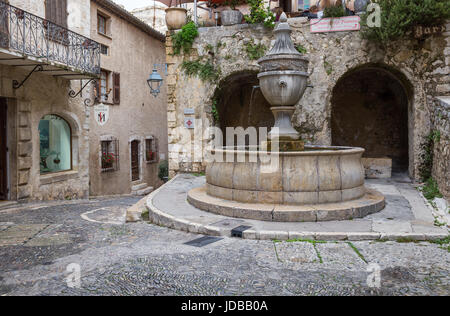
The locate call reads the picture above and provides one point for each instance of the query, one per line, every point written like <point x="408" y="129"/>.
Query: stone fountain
<point x="300" y="183"/>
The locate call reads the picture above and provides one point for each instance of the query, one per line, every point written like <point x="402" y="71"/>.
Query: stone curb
<point x="158" y="217"/>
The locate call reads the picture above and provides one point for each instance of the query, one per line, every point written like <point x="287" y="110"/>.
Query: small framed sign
<point x="189" y="123"/>
<point x="347" y="23"/>
<point x="189" y="111"/>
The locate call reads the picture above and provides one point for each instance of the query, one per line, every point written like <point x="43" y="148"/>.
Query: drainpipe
<point x="195" y="12"/>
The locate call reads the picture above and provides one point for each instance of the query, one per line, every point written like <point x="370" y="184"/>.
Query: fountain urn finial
<point x="283" y="81"/>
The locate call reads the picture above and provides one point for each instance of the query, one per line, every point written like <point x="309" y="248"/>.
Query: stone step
<point x="138" y="187"/>
<point x="143" y="192"/>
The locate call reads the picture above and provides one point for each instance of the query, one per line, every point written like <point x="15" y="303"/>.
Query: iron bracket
<point x="17" y="85"/>
<point x="74" y="94"/>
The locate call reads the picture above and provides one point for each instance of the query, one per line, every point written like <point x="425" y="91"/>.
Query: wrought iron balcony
<point x="32" y="40"/>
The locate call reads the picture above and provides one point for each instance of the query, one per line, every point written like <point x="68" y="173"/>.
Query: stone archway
<point x="370" y="109"/>
<point x="240" y="103"/>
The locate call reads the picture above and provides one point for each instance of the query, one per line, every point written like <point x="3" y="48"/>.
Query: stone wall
<point x="441" y="163"/>
<point x="418" y="66"/>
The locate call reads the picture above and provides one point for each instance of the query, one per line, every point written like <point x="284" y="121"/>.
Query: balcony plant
<point x="231" y="16"/>
<point x="176" y="17"/>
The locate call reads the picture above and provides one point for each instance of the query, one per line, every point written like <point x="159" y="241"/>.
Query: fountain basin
<point x="318" y="184"/>
<point x="283" y="88"/>
<point x="316" y="175"/>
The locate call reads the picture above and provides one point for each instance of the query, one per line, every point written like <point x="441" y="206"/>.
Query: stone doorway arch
<point x="371" y="108"/>
<point x="240" y="103"/>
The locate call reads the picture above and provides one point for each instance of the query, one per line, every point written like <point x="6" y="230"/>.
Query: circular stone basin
<point x="326" y="179"/>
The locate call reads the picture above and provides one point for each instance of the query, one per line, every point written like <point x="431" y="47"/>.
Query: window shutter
<point x="97" y="91"/>
<point x="62" y="13"/>
<point x="56" y="11"/>
<point x="116" y="88"/>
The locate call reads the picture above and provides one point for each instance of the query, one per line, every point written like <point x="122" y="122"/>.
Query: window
<point x="55" y="144"/>
<point x="103" y="23"/>
<point x="151" y="150"/>
<point x="109" y="155"/>
<point x="104" y="49"/>
<point x="104" y="87"/>
<point x="104" y="81"/>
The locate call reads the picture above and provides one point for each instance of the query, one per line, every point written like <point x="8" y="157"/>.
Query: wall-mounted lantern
<point x="155" y="81"/>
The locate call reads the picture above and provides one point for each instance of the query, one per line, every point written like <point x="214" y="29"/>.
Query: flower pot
<point x="176" y="18"/>
<point x="231" y="17"/>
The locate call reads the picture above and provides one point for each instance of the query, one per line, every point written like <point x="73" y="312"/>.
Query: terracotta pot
<point x="231" y="17"/>
<point x="176" y="18"/>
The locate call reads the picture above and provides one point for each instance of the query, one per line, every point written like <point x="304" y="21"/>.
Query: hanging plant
<point x="184" y="39"/>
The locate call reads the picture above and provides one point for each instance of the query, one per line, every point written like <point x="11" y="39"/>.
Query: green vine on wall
<point x="183" y="40"/>
<point x="255" y="51"/>
<point x="215" y="111"/>
<point x="399" y="17"/>
<point x="203" y="70"/>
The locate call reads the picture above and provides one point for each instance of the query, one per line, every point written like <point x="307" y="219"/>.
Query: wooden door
<point x="3" y="152"/>
<point x="135" y="160"/>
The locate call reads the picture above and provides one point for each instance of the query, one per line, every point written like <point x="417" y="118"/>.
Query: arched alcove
<point x="240" y="103"/>
<point x="370" y="110"/>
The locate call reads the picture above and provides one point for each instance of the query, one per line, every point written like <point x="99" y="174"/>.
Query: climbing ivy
<point x="184" y="39"/>
<point x="203" y="70"/>
<point x="215" y="111"/>
<point x="255" y="51"/>
<point x="427" y="156"/>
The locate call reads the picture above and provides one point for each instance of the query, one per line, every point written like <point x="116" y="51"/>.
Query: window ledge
<point x="58" y="177"/>
<point x="105" y="35"/>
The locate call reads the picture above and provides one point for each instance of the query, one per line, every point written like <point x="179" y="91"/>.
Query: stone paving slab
<point x="168" y="207"/>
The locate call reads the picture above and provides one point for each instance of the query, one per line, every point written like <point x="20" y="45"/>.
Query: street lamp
<point x="155" y="82"/>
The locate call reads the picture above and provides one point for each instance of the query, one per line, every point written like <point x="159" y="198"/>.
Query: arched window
<point x="55" y="144"/>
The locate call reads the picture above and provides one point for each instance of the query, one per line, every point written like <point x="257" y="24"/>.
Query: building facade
<point x="45" y="56"/>
<point x="128" y="126"/>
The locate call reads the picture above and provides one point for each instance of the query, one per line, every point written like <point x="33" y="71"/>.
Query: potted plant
<point x="150" y="155"/>
<point x="231" y="16"/>
<point x="176" y="18"/>
<point x="107" y="160"/>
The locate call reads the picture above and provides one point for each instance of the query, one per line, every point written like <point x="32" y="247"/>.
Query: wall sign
<point x="423" y="31"/>
<point x="189" y="111"/>
<point x="101" y="113"/>
<point x="347" y="23"/>
<point x="189" y="123"/>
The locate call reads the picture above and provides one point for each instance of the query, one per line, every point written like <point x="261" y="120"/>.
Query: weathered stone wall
<point x="419" y="66"/>
<point x="441" y="163"/>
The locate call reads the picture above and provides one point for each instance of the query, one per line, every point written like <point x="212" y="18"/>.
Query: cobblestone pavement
<point x="39" y="242"/>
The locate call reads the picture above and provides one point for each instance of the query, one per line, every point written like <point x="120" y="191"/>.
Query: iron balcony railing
<point x="30" y="35"/>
